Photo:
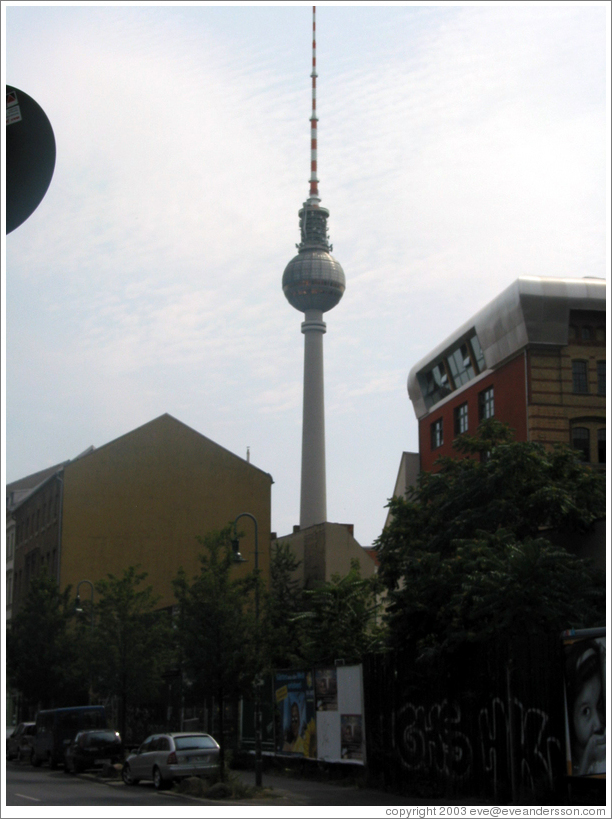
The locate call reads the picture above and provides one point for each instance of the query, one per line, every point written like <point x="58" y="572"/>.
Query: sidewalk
<point x="289" y="790"/>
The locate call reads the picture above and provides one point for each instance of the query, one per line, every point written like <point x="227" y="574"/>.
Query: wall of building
<point x="510" y="396"/>
<point x="143" y="499"/>
<point x="324" y="550"/>
<point x="37" y="522"/>
<point x="554" y="405"/>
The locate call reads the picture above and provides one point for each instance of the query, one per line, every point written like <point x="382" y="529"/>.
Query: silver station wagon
<point x="167" y="757"/>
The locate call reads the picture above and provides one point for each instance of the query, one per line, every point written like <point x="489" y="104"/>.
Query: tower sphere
<point x="313" y="280"/>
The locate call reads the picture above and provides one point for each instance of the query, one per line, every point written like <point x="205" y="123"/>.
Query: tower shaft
<point x="313" y="496"/>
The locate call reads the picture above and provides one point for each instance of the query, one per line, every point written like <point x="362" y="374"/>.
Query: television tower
<point x="313" y="283"/>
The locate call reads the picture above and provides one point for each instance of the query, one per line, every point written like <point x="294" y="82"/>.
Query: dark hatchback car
<point x="91" y="749"/>
<point x="19" y="744"/>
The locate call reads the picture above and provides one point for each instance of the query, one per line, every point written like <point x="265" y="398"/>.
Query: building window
<point x="461" y="367"/>
<point x="601" y="446"/>
<point x="486" y="404"/>
<point x="581" y="442"/>
<point x="461" y="419"/>
<point x="580" y="378"/>
<point x="586" y="333"/>
<point x="601" y="377"/>
<point x="9" y="588"/>
<point x="437" y="437"/>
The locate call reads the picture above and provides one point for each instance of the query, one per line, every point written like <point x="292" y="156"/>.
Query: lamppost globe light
<point x="238" y="558"/>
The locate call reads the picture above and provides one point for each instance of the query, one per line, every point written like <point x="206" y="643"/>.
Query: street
<point x="40" y="787"/>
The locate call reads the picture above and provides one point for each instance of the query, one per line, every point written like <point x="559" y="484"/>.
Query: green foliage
<point x="131" y="641"/>
<point x="215" y="626"/>
<point x="339" y="620"/>
<point x="281" y="635"/>
<point x="463" y="557"/>
<point x="41" y="653"/>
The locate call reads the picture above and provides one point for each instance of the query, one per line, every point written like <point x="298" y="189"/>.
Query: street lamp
<point x="77" y="607"/>
<point x="79" y="610"/>
<point x="239" y="559"/>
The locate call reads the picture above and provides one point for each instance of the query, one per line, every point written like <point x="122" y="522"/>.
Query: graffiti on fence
<point x="433" y="738"/>
<point x="430" y="739"/>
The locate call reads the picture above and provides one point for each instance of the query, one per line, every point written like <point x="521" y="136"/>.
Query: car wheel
<point x="126" y="775"/>
<point x="159" y="781"/>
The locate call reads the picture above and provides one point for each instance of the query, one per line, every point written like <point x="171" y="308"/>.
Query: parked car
<point x="56" y="728"/>
<point x="90" y="749"/>
<point x="19" y="743"/>
<point x="167" y="757"/>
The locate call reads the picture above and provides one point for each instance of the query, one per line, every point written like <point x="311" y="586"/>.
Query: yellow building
<point x="142" y="499"/>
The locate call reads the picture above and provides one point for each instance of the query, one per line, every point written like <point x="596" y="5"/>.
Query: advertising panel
<point x="326" y="689"/>
<point x="295" y="713"/>
<point x="352" y="736"/>
<point x="585" y="687"/>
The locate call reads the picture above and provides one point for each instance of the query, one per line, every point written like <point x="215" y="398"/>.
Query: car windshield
<point x="101" y="736"/>
<point x="182" y="743"/>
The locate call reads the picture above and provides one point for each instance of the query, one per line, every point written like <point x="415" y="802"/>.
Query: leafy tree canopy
<point x="463" y="557"/>
<point x="131" y="640"/>
<point x="215" y="626"/>
<point x="282" y="605"/>
<point x="42" y="656"/>
<point x="340" y="619"/>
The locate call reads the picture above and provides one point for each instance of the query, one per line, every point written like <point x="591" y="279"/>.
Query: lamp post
<point x="239" y="559"/>
<point x="77" y="606"/>
<point x="78" y="609"/>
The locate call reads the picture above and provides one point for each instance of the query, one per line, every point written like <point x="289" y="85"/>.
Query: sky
<point x="459" y="147"/>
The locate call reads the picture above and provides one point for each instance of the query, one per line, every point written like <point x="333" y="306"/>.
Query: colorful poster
<point x="296" y="728"/>
<point x="585" y="701"/>
<point x="351" y="736"/>
<point x="326" y="689"/>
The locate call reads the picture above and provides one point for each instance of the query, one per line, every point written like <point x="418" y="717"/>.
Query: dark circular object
<point x="30" y="156"/>
<point x="314" y="280"/>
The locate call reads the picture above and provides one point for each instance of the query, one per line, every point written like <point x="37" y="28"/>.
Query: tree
<point x="285" y="601"/>
<point x="340" y="619"/>
<point x="215" y="627"/>
<point x="463" y="557"/>
<point x="131" y="641"/>
<point x="42" y="656"/>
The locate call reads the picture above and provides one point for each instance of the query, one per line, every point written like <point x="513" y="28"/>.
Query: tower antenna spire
<point x="314" y="198"/>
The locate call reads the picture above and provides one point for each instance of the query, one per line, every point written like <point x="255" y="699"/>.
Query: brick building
<point x="534" y="357"/>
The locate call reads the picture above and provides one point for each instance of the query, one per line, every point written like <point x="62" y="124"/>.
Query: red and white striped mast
<point x="314" y="198"/>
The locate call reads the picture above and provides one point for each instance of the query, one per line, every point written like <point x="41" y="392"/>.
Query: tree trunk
<point x="221" y="737"/>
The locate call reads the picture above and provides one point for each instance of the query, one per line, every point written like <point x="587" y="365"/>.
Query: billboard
<point x="296" y="731"/>
<point x="585" y="702"/>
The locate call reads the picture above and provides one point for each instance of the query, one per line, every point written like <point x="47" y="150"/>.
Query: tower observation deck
<point x="313" y="283"/>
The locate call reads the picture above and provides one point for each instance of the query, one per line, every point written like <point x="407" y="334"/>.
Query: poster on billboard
<point x="351" y="736"/>
<point x="585" y="687"/>
<point x="296" y="731"/>
<point x="326" y="689"/>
